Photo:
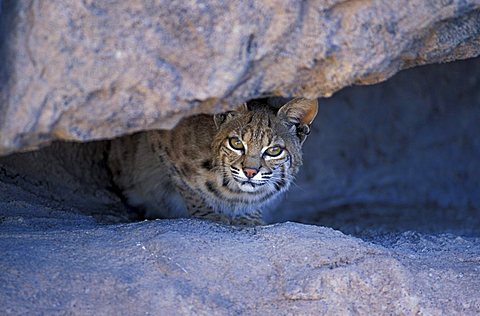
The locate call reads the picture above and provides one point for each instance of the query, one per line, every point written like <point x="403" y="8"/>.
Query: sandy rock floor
<point x="57" y="262"/>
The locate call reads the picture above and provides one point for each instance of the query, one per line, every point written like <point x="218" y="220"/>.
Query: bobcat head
<point x="259" y="149"/>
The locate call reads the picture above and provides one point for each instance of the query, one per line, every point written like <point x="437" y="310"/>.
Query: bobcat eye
<point x="274" y="151"/>
<point x="236" y="143"/>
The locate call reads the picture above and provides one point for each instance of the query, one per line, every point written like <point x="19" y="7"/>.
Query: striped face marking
<point x="252" y="156"/>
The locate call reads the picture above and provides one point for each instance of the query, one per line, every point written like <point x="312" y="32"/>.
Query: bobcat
<point x="224" y="167"/>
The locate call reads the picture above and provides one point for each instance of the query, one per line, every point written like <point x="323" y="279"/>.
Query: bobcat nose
<point x="250" y="172"/>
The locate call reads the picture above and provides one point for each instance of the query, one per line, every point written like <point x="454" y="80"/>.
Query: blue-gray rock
<point x="71" y="265"/>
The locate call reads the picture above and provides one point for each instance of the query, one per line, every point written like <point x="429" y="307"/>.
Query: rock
<point x="84" y="70"/>
<point x="193" y="267"/>
<point x="395" y="164"/>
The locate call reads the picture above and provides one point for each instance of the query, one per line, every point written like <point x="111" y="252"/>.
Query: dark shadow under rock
<point x="69" y="177"/>
<point x="401" y="155"/>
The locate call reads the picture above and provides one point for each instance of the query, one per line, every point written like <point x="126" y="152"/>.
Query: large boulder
<point x="83" y="70"/>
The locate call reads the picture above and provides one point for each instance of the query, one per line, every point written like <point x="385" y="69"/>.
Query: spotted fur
<point x="193" y="169"/>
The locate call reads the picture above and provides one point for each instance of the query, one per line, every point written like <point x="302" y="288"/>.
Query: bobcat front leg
<point x="212" y="216"/>
<point x="251" y="219"/>
<point x="206" y="213"/>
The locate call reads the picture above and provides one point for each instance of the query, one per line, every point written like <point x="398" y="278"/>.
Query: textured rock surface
<point x="74" y="266"/>
<point x="396" y="164"/>
<point x="84" y="70"/>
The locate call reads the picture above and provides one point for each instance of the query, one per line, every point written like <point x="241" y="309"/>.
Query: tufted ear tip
<point x="300" y="111"/>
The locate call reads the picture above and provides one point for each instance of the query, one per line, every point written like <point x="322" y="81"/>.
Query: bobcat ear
<point x="300" y="111"/>
<point x="221" y="118"/>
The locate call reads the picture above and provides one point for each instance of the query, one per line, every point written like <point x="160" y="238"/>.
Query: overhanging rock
<point x="84" y="70"/>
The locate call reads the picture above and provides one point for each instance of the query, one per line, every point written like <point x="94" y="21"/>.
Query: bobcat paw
<point x="248" y="220"/>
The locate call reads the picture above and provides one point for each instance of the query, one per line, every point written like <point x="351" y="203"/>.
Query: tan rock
<point x="83" y="70"/>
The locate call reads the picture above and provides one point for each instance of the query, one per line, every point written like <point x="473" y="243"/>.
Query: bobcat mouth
<point x="249" y="182"/>
<point x="248" y="185"/>
<point x="253" y="184"/>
